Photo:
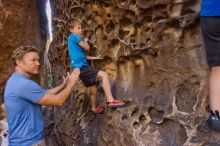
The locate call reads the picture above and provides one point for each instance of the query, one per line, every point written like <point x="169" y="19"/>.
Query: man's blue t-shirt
<point x="77" y="54"/>
<point x="24" y="115"/>
<point x="210" y="8"/>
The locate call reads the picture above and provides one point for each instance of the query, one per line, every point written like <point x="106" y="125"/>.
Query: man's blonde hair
<point x="74" y="22"/>
<point x="19" y="53"/>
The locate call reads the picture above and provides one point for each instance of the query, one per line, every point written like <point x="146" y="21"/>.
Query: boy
<point x="77" y="47"/>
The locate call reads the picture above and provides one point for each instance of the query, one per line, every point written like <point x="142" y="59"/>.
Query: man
<point x="210" y="24"/>
<point x="23" y="98"/>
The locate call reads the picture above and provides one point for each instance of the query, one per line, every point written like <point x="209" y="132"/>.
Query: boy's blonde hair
<point x="74" y="22"/>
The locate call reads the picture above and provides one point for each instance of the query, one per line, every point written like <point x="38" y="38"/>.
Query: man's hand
<point x="54" y="98"/>
<point x="63" y="84"/>
<point x="74" y="76"/>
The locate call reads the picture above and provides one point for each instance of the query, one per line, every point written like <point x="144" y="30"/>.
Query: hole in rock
<point x="155" y="115"/>
<point x="142" y="45"/>
<point x="186" y="95"/>
<point x="129" y="12"/>
<point x="142" y="118"/>
<point x="188" y="11"/>
<point x="124" y="117"/>
<point x="77" y="11"/>
<point x="172" y="133"/>
<point x="158" y="18"/>
<point x="160" y="7"/>
<point x="136" y="125"/>
<point x="114" y="43"/>
<point x="109" y="15"/>
<point x="110" y="27"/>
<point x="123" y="34"/>
<point x="124" y="22"/>
<point x="135" y="111"/>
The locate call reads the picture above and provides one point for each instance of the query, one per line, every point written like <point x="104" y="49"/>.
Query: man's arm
<point x="58" y="99"/>
<point x="84" y="44"/>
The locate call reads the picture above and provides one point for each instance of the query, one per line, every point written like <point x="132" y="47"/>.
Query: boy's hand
<point x="99" y="57"/>
<point x="85" y="39"/>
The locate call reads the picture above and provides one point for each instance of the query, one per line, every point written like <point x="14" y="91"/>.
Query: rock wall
<point x="155" y="59"/>
<point x="19" y="25"/>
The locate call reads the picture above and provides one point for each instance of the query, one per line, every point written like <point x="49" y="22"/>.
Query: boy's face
<point x="77" y="29"/>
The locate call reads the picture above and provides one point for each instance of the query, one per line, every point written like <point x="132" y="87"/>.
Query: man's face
<point x="77" y="29"/>
<point x="29" y="64"/>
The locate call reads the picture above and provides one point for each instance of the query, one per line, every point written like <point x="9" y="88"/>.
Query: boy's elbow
<point x="87" y="48"/>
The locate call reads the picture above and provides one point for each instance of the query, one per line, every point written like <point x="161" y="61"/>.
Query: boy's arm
<point x="94" y="57"/>
<point x="84" y="44"/>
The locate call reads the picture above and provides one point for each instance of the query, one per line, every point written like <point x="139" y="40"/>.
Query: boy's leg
<point x="214" y="89"/>
<point x="106" y="85"/>
<point x="111" y="102"/>
<point x="95" y="109"/>
<point x="88" y="76"/>
<point x="93" y="92"/>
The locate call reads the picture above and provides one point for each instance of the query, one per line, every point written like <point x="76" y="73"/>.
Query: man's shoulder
<point x="19" y="78"/>
<point x="20" y="82"/>
<point x="15" y="85"/>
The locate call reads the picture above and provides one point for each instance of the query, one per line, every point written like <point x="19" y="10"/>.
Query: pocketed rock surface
<point x="156" y="62"/>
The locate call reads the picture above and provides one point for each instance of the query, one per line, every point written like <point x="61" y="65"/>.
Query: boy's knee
<point x="104" y="74"/>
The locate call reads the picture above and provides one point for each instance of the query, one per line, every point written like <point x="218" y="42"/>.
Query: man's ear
<point x="18" y="61"/>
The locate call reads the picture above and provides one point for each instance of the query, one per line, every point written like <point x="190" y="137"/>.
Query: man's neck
<point x="18" y="70"/>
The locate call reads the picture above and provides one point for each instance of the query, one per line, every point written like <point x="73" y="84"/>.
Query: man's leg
<point x="93" y="93"/>
<point x="214" y="89"/>
<point x="106" y="85"/>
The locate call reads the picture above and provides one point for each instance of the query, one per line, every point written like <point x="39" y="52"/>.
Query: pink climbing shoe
<point x="98" y="110"/>
<point x="116" y="104"/>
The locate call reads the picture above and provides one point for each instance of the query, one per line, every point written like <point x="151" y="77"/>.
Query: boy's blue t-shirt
<point x="24" y="115"/>
<point x="77" y="54"/>
<point x="210" y="8"/>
